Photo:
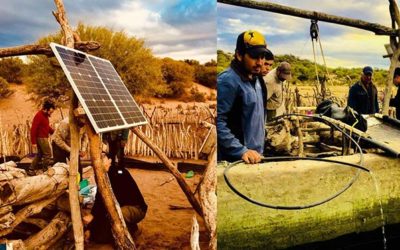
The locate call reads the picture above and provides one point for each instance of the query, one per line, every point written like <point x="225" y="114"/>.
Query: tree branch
<point x="36" y="49"/>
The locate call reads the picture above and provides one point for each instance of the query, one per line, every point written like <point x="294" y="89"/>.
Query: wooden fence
<point x="178" y="131"/>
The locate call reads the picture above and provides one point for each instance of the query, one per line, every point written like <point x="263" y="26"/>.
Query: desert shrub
<point x="206" y="75"/>
<point x="196" y="95"/>
<point x="11" y="69"/>
<point x="176" y="71"/>
<point x="5" y="90"/>
<point x="178" y="75"/>
<point x="136" y="64"/>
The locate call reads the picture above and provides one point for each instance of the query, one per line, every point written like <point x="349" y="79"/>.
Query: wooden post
<point x="119" y="230"/>
<point x="69" y="41"/>
<point x="50" y="234"/>
<point x="172" y="168"/>
<point x="394" y="60"/>
<point x="208" y="197"/>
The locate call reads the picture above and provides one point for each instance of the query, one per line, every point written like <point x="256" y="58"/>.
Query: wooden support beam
<point x="29" y="210"/>
<point x="119" y="230"/>
<point x="172" y="168"/>
<point x="313" y="15"/>
<point x="37" y="49"/>
<point x="50" y="234"/>
<point x="68" y="39"/>
<point x="208" y="197"/>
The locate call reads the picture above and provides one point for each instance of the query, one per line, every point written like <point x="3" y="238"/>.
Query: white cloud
<point x="164" y="39"/>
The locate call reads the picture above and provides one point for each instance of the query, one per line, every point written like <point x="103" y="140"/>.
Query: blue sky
<point x="343" y="46"/>
<point x="175" y="28"/>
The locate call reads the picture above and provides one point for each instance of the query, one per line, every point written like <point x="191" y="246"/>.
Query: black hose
<point x="284" y="158"/>
<point x="391" y="121"/>
<point x="292" y="158"/>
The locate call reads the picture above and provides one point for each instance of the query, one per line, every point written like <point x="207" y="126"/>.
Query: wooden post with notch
<point x="69" y="41"/>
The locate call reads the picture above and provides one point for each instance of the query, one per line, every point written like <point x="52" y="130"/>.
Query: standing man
<point x="241" y="102"/>
<point x="395" y="102"/>
<point x="116" y="141"/>
<point x="62" y="141"/>
<point x="269" y="61"/>
<point x="40" y="132"/>
<point x="363" y="95"/>
<point x="275" y="81"/>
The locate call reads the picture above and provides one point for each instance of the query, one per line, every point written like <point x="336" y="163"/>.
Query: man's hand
<point x="87" y="219"/>
<point x="82" y="154"/>
<point x="251" y="157"/>
<point x="34" y="148"/>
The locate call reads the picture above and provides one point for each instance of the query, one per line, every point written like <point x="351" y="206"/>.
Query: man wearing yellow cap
<point x="241" y="101"/>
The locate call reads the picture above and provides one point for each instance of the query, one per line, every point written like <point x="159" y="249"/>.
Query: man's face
<point x="266" y="67"/>
<point x="366" y="78"/>
<point x="252" y="65"/>
<point x="49" y="111"/>
<point x="396" y="81"/>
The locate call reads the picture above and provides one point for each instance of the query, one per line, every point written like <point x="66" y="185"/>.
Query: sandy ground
<point x="163" y="228"/>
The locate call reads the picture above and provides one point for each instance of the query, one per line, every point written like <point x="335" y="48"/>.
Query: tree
<point x="4" y="88"/>
<point x="135" y="63"/>
<point x="11" y="69"/>
<point x="178" y="75"/>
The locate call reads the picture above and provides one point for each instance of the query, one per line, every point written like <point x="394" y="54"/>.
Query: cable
<point x="291" y="158"/>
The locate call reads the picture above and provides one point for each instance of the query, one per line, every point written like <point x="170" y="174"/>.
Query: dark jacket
<point x="363" y="100"/>
<point x="395" y="102"/>
<point x="126" y="192"/>
<point x="241" y="113"/>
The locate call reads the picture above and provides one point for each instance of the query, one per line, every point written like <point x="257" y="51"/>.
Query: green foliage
<point x="303" y="71"/>
<point x="223" y="60"/>
<point x="178" y="75"/>
<point x="46" y="81"/>
<point x="207" y="74"/>
<point x="5" y="88"/>
<point x="135" y="63"/>
<point x="11" y="69"/>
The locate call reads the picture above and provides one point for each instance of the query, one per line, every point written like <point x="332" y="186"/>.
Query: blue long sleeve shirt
<point x="241" y="115"/>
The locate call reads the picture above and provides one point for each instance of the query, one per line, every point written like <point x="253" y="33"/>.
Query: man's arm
<point x="396" y="100"/>
<point x="376" y="103"/>
<point x="59" y="136"/>
<point x="226" y="96"/>
<point x="351" y="101"/>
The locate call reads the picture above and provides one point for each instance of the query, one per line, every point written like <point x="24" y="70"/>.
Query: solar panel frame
<point x="84" y="102"/>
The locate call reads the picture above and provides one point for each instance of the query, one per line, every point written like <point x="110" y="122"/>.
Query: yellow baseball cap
<point x="251" y="42"/>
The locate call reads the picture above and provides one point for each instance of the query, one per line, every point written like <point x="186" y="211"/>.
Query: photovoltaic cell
<point x="100" y="90"/>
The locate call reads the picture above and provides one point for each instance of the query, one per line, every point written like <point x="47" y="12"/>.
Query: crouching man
<point x="129" y="198"/>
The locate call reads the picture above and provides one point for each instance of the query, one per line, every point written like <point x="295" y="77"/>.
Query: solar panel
<point x="100" y="90"/>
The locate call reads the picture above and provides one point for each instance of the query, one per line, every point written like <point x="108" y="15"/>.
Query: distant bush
<point x="223" y="60"/>
<point x="5" y="88"/>
<point x="196" y="95"/>
<point x="207" y="74"/>
<point x="178" y="75"/>
<point x="11" y="69"/>
<point x="303" y="71"/>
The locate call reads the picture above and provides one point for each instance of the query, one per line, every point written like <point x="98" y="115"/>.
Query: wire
<point x="291" y="158"/>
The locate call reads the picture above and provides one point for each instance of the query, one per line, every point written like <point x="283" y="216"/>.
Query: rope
<point x="285" y="158"/>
